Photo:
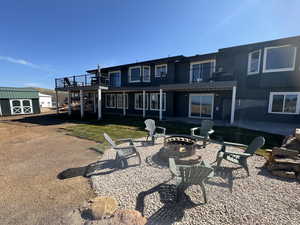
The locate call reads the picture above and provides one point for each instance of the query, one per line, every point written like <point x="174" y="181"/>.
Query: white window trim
<point x="284" y="93"/>
<point x="21" y="105"/>
<point x="249" y="62"/>
<point x="201" y="62"/>
<point x="279" y="70"/>
<point x="146" y="99"/>
<point x="199" y="117"/>
<point x="126" y="96"/>
<point x="159" y="65"/>
<point x="116" y="71"/>
<point x="146" y="81"/>
<point x="106" y="105"/>
<point x="164" y="99"/>
<point x="129" y="74"/>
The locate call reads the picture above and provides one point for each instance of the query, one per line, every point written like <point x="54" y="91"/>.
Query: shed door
<point x="21" y="106"/>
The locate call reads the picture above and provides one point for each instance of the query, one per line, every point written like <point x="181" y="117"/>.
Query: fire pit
<point x="180" y="147"/>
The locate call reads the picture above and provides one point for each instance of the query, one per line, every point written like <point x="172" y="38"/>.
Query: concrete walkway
<point x="270" y="127"/>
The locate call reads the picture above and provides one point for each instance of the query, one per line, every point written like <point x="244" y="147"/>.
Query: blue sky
<point x="41" y="40"/>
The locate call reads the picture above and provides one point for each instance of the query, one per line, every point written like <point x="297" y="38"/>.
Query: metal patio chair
<point x="153" y="130"/>
<point x="239" y="158"/>
<point x="191" y="175"/>
<point x="204" y="131"/>
<point x="123" y="153"/>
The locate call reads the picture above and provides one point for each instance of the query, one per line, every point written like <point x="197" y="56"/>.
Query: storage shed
<point x="17" y="101"/>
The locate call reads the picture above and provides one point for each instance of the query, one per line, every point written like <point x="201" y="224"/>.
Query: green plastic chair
<point x="204" y="131"/>
<point x="123" y="153"/>
<point x="191" y="175"/>
<point x="239" y="157"/>
<point x="153" y="132"/>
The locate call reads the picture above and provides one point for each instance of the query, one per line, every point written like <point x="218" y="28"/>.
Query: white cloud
<point x="19" y="61"/>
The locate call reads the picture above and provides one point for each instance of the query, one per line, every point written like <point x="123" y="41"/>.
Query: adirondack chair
<point x="239" y="157"/>
<point x="204" y="131"/>
<point x="123" y="153"/>
<point x="152" y="130"/>
<point x="191" y="175"/>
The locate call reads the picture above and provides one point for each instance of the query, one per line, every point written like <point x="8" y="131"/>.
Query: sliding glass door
<point x="201" y="106"/>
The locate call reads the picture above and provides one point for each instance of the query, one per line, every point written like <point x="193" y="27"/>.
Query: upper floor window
<point x="201" y="70"/>
<point x="161" y="70"/>
<point x="279" y="58"/>
<point x="146" y="74"/>
<point x="134" y="74"/>
<point x="254" y="62"/>
<point x="284" y="102"/>
<point x="115" y="78"/>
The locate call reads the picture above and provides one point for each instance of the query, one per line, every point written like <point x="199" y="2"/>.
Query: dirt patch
<point x="31" y="157"/>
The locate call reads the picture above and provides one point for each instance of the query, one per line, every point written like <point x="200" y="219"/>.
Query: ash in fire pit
<point x="180" y="147"/>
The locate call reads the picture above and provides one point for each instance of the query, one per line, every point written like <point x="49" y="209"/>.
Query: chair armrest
<point x="124" y="140"/>
<point x="237" y="153"/>
<point x="193" y="130"/>
<point x="211" y="131"/>
<point x="163" y="129"/>
<point x="234" y="144"/>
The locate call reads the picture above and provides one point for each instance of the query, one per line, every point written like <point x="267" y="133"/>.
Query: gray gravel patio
<point x="233" y="198"/>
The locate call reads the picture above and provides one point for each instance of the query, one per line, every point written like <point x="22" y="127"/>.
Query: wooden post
<point x="233" y="104"/>
<point x="124" y="106"/>
<point x="99" y="104"/>
<point x="160" y="103"/>
<point x="144" y="103"/>
<point x="57" y="109"/>
<point x="69" y="103"/>
<point x="94" y="102"/>
<point x="81" y="104"/>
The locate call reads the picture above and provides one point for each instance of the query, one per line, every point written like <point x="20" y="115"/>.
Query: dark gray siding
<point x="36" y="106"/>
<point x="5" y="107"/>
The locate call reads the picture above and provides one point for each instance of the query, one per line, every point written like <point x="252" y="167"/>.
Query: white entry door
<point x="21" y="106"/>
<point x="201" y="106"/>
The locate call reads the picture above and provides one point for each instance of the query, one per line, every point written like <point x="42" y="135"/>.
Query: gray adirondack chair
<point x="191" y="175"/>
<point x="239" y="157"/>
<point x="123" y="153"/>
<point x="204" y="131"/>
<point x="153" y="132"/>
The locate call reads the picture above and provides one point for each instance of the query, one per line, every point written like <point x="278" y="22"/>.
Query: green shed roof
<point x="19" y="93"/>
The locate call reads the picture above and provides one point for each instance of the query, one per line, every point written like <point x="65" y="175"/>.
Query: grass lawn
<point x="118" y="127"/>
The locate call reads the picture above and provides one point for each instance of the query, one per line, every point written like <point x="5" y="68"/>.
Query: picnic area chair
<point x="239" y="157"/>
<point x="204" y="131"/>
<point x="123" y="153"/>
<point x="152" y="130"/>
<point x="191" y="175"/>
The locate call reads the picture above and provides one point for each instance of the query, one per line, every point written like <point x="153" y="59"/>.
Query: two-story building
<point x="257" y="81"/>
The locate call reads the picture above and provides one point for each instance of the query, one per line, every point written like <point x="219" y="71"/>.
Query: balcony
<point x="208" y="74"/>
<point x="81" y="81"/>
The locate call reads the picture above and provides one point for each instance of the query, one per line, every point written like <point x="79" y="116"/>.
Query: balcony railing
<point x="208" y="73"/>
<point x="81" y="81"/>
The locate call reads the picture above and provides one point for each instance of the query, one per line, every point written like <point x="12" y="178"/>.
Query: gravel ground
<point x="233" y="198"/>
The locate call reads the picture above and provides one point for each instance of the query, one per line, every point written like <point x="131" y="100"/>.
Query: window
<point x="110" y="101"/>
<point x="201" y="70"/>
<point x="284" y="102"/>
<point x="154" y="101"/>
<point x="254" y="62"/>
<point x="120" y="101"/>
<point x="201" y="106"/>
<point x="161" y="70"/>
<point x="138" y="101"/>
<point x="281" y="58"/>
<point x="146" y="74"/>
<point x="115" y="78"/>
<point x="134" y="74"/>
